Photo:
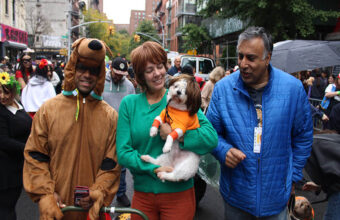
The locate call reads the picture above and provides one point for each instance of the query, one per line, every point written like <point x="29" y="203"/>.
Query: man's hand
<point x="98" y="199"/>
<point x="58" y="200"/>
<point x="48" y="207"/>
<point x="85" y="202"/>
<point x="324" y="117"/>
<point x="234" y="157"/>
<point x="311" y="186"/>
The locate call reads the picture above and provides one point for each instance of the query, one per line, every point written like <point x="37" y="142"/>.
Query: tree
<point x="102" y="31"/>
<point x="37" y="24"/>
<point x="283" y="19"/>
<point x="145" y="27"/>
<point x="196" y="38"/>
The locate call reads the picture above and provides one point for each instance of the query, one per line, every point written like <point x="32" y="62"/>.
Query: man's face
<point x="253" y="68"/>
<point x="115" y="77"/>
<point x="86" y="78"/>
<point x="177" y="62"/>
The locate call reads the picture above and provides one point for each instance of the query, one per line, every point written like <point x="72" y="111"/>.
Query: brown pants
<point x="165" y="206"/>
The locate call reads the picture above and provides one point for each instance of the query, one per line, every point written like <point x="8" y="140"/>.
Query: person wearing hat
<point x="72" y="142"/>
<point x="117" y="86"/>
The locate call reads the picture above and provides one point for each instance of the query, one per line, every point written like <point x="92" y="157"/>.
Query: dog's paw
<point x="161" y="176"/>
<point x="145" y="158"/>
<point x="153" y="131"/>
<point x="166" y="148"/>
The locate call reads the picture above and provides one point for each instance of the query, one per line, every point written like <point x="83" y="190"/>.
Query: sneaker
<point x="123" y="200"/>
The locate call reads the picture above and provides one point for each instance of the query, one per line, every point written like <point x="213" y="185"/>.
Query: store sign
<point x="9" y="33"/>
<point x="51" y="41"/>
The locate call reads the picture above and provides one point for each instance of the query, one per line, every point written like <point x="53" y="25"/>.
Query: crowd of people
<point x="86" y="123"/>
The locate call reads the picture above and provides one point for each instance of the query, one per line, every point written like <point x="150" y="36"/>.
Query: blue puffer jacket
<point x="261" y="184"/>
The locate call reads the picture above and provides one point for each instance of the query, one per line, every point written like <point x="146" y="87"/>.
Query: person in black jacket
<point x="323" y="168"/>
<point x="15" y="126"/>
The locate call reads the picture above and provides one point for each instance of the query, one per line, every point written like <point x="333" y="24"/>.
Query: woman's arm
<point x="128" y="156"/>
<point x="201" y="140"/>
<point x="332" y="94"/>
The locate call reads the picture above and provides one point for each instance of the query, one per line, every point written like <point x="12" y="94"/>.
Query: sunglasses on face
<point x="26" y="60"/>
<point x="82" y="69"/>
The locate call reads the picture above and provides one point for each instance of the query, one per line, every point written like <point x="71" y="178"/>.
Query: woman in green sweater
<point x="157" y="199"/>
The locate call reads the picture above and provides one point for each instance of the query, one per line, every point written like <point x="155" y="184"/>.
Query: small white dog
<point x="184" y="101"/>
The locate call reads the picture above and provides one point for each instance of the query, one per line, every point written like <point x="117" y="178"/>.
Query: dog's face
<point x="185" y="93"/>
<point x="177" y="92"/>
<point x="302" y="208"/>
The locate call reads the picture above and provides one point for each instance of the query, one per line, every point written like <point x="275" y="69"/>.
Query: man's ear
<point x="268" y="58"/>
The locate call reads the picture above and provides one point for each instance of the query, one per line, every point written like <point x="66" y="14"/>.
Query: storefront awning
<point x="15" y="45"/>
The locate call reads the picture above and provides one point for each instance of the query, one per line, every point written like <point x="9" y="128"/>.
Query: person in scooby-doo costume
<point x="73" y="140"/>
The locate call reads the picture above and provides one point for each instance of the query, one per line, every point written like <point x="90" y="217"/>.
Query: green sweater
<point x="133" y="140"/>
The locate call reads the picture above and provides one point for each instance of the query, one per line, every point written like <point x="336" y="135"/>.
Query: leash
<point x="167" y="113"/>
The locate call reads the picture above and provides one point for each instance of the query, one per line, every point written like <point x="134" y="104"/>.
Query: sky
<point x="119" y="10"/>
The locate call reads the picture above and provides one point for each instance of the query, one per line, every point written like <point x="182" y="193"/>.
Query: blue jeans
<point x="232" y="213"/>
<point x="122" y="183"/>
<point x="333" y="208"/>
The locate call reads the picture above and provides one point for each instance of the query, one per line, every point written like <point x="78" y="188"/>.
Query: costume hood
<point x="92" y="53"/>
<point x="37" y="80"/>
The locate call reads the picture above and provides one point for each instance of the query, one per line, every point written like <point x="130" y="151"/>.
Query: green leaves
<point x="283" y="19"/>
<point x="195" y="37"/>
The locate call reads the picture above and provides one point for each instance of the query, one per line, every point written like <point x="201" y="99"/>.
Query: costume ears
<point x="77" y="42"/>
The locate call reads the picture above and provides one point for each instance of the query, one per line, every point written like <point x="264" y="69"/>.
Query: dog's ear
<point x="173" y="80"/>
<point x="193" y="95"/>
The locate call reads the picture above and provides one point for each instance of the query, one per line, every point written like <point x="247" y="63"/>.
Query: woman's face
<point x="6" y="97"/>
<point x="330" y="80"/>
<point x="27" y="61"/>
<point x="49" y="71"/>
<point x="154" y="75"/>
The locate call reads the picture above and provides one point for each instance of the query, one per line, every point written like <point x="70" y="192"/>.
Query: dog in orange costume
<point x="183" y="103"/>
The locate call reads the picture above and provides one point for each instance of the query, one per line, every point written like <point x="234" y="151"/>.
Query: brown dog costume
<point x="72" y="142"/>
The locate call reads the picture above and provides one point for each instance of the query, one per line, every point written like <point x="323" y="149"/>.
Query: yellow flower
<point x="4" y="78"/>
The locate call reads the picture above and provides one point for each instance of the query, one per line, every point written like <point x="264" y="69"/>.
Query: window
<point x="6" y="7"/>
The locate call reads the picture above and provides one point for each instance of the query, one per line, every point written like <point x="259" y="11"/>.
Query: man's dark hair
<point x="187" y="69"/>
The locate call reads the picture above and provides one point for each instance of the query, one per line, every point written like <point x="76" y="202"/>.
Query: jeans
<point x="333" y="208"/>
<point x="122" y="183"/>
<point x="232" y="213"/>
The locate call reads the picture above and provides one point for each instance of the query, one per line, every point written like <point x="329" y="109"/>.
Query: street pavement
<point x="210" y="208"/>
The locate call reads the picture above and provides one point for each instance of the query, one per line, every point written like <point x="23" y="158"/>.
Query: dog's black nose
<point x="178" y="92"/>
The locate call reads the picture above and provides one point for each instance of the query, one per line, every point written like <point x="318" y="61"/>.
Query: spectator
<point x="25" y="70"/>
<point x="215" y="75"/>
<point x="318" y="87"/>
<point x="263" y="120"/>
<point x="176" y="68"/>
<point x="117" y="86"/>
<point x="15" y="126"/>
<point x="157" y="199"/>
<point x="189" y="70"/>
<point x="60" y="73"/>
<point x="72" y="142"/>
<point x="52" y="75"/>
<point x="324" y="77"/>
<point x="323" y="168"/>
<point x="332" y="96"/>
<point x="38" y="90"/>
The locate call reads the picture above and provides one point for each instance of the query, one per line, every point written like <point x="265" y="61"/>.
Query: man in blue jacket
<point x="265" y="132"/>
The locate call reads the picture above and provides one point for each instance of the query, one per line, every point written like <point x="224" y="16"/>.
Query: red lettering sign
<point x="9" y="33"/>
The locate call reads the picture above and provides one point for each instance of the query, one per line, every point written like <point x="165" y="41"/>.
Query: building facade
<point x="13" y="37"/>
<point x="135" y="18"/>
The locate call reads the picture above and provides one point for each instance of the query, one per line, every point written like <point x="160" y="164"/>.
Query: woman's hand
<point x="165" y="130"/>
